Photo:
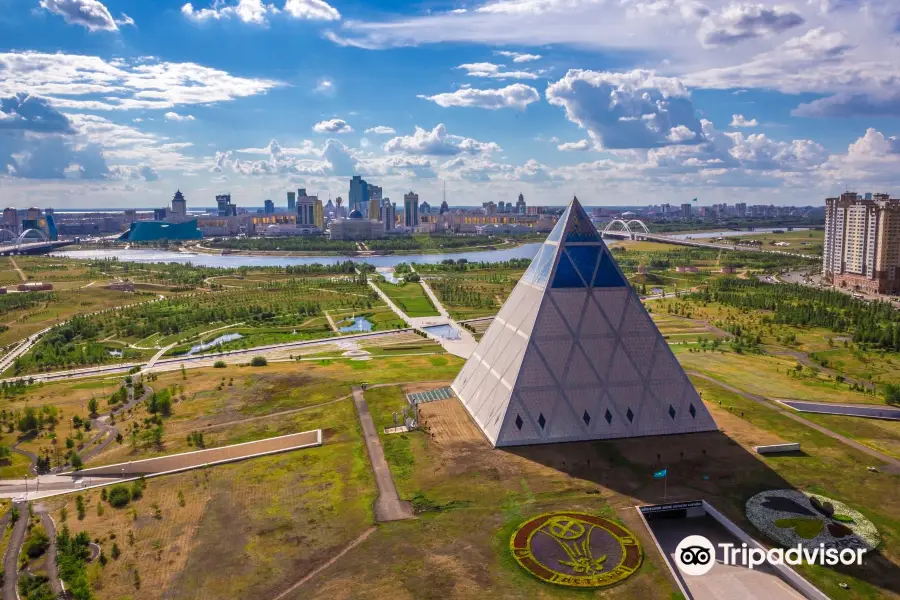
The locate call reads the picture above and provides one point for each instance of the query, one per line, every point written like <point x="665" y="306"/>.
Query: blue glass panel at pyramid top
<point x="580" y="228"/>
<point x="557" y="232"/>
<point x="607" y="273"/>
<point x="585" y="259"/>
<point x="566" y="276"/>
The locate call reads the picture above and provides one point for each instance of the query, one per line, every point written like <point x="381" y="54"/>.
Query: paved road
<point x="388" y="506"/>
<point x="11" y="558"/>
<point x="850" y="410"/>
<point x="892" y="465"/>
<point x="52" y="567"/>
<point x="204" y="360"/>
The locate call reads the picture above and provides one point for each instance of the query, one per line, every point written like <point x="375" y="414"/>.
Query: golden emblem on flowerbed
<point x="576" y="550"/>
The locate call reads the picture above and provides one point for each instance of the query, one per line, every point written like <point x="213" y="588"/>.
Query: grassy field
<point x="236" y="531"/>
<point x="410" y="297"/>
<point x="468" y="482"/>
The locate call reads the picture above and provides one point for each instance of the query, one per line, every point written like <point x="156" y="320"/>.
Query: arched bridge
<point x="629" y="228"/>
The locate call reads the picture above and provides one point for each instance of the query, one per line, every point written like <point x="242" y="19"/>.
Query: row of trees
<point x="873" y="323"/>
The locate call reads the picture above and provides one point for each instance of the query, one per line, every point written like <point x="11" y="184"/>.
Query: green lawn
<point x="410" y="297"/>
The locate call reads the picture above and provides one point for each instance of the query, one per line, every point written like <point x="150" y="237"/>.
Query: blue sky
<point x="115" y="103"/>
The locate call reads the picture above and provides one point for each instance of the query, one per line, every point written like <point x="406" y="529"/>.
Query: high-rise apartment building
<point x="179" y="205"/>
<point x="685" y="211"/>
<point x="862" y="242"/>
<point x="374" y="209"/>
<point x="740" y="209"/>
<point x="11" y="220"/>
<point x="269" y="207"/>
<point x="292" y="201"/>
<point x="359" y="195"/>
<point x="411" y="209"/>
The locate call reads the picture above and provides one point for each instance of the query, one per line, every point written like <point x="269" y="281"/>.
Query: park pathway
<point x="11" y="558"/>
<point x="892" y="465"/>
<point x="52" y="565"/>
<point x="388" y="506"/>
<point x="15" y="266"/>
<point x="331" y="323"/>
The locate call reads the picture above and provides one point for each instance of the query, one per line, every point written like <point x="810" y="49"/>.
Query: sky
<point x="118" y="103"/>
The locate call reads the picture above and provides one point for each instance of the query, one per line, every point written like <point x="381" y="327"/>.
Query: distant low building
<point x="686" y="269"/>
<point x="152" y="231"/>
<point x="121" y="286"/>
<point x="34" y="286"/>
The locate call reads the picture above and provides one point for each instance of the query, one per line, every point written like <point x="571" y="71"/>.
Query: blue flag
<point x="694" y="200"/>
<point x="660" y="474"/>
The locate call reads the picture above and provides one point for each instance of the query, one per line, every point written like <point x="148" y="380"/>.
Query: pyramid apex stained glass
<point x="572" y="341"/>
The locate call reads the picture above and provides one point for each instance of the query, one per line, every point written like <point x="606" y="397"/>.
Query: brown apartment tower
<point x="862" y="242"/>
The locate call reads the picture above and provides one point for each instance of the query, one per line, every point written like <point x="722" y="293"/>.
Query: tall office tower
<point x="685" y="211"/>
<point x="179" y="205"/>
<point x="444" y="207"/>
<point x="11" y="220"/>
<point x="520" y="205"/>
<point x="359" y="195"/>
<point x="425" y="208"/>
<point x="388" y="214"/>
<point x="130" y="216"/>
<point x="373" y="210"/>
<point x="292" y="201"/>
<point x="862" y="243"/>
<point x="306" y="209"/>
<point x="269" y="207"/>
<point x="318" y="214"/>
<point x="33" y="214"/>
<point x="223" y="205"/>
<point x="411" y="209"/>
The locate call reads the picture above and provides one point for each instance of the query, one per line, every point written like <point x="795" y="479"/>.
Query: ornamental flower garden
<point x="791" y="517"/>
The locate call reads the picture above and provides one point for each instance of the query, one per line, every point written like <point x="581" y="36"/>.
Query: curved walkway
<point x="892" y="465"/>
<point x="11" y="558"/>
<point x="52" y="566"/>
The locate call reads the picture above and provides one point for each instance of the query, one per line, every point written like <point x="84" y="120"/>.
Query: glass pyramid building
<point x="573" y="355"/>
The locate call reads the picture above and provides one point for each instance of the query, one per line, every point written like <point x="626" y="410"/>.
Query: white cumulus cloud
<point x="381" y="130"/>
<point x="174" y="116"/>
<point x="579" y="146"/>
<point x="517" y="95"/>
<point x="518" y="57"/>
<point x="491" y="70"/>
<point x="741" y="121"/>
<point x="90" y="14"/>
<point x="438" y="142"/>
<point x="333" y="126"/>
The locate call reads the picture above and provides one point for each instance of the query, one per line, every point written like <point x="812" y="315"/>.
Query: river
<point x="234" y="261"/>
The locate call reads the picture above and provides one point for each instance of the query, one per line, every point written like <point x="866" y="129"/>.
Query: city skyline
<point x="118" y="103"/>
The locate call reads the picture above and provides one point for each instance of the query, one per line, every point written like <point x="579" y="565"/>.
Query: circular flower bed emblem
<point x="576" y="550"/>
<point x="791" y="517"/>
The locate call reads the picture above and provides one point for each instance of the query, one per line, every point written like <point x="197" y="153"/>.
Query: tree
<point x="119" y="496"/>
<point x="92" y="406"/>
<point x="29" y="421"/>
<point x="892" y="393"/>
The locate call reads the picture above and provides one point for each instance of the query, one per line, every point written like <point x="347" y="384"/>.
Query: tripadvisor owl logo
<point x="695" y="555"/>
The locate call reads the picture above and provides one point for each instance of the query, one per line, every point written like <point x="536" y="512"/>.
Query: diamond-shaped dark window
<point x="541" y="420"/>
<point x="519" y="422"/>
<point x="586" y="418"/>
<point x="630" y="415"/>
<point x="608" y="416"/>
<point x="672" y="412"/>
<point x="693" y="411"/>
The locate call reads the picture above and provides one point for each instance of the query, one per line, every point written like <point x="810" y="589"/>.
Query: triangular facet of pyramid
<point x="572" y="355"/>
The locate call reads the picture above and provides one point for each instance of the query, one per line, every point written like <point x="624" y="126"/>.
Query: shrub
<point x="119" y="496"/>
<point x="37" y="543"/>
<point x="219" y="364"/>
<point x="892" y="393"/>
<point x="258" y="361"/>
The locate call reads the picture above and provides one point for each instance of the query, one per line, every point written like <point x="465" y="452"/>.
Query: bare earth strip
<point x="199" y="458"/>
